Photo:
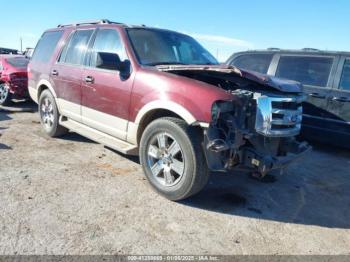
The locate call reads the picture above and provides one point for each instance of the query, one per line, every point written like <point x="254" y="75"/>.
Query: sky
<point x="222" y="26"/>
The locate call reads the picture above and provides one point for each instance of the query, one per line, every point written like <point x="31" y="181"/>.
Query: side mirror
<point x="111" y="61"/>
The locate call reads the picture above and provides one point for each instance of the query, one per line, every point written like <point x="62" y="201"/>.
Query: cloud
<point x="222" y="40"/>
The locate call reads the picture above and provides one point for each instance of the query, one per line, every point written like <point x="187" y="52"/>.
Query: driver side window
<point x="107" y="50"/>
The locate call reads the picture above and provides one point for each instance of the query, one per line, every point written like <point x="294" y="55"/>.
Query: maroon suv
<point x="160" y="94"/>
<point x="13" y="78"/>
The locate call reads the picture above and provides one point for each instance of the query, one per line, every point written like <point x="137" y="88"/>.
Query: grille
<point x="279" y="116"/>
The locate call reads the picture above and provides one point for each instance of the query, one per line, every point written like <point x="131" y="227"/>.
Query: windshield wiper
<point x="165" y="63"/>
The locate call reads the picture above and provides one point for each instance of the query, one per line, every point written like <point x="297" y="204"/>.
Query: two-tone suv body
<point x="326" y="79"/>
<point x="161" y="95"/>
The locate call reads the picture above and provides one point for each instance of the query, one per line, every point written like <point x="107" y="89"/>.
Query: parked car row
<point x="326" y="79"/>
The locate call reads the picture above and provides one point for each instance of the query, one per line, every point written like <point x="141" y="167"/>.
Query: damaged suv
<point x="160" y="94"/>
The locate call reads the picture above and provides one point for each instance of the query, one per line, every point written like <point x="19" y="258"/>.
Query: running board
<point x="99" y="137"/>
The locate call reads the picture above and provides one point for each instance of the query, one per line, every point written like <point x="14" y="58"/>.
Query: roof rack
<point x="95" y="22"/>
<point x="310" y="49"/>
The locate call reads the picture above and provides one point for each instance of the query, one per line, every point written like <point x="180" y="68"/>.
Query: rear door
<point x="339" y="103"/>
<point x="316" y="73"/>
<point x="67" y="72"/>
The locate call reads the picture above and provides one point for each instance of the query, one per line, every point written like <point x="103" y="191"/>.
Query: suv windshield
<point x="161" y="47"/>
<point x="18" y="62"/>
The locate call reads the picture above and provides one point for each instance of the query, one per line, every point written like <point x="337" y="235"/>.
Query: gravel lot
<point x="73" y="196"/>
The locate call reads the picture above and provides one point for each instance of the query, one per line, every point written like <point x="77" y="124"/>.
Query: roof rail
<point x="273" y="49"/>
<point x="310" y="49"/>
<point x="95" y="22"/>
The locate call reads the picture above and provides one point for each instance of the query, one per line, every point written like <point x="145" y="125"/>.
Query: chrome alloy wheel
<point x="47" y="113"/>
<point x="3" y="92"/>
<point x="166" y="159"/>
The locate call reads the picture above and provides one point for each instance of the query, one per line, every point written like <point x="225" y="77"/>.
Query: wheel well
<point x="151" y="116"/>
<point x="41" y="89"/>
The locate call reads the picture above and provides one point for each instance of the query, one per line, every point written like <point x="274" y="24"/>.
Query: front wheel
<point x="5" y="95"/>
<point x="172" y="158"/>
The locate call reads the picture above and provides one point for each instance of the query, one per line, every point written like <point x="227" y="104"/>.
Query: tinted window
<point x="312" y="71"/>
<point x="254" y="62"/>
<point x="74" y="52"/>
<point x="157" y="47"/>
<point x="46" y="46"/>
<point x="345" y="78"/>
<point x="18" y="62"/>
<point x="106" y="46"/>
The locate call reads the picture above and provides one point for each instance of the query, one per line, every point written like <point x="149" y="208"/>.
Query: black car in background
<point x="326" y="79"/>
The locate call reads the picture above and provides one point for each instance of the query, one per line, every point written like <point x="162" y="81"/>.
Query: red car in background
<point x="13" y="78"/>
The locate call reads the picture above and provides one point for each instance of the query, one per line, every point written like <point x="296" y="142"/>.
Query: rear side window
<point x="46" y="46"/>
<point x="345" y="77"/>
<point x="107" y="45"/>
<point x="253" y="62"/>
<point x="74" y="52"/>
<point x="308" y="70"/>
<point x="18" y="62"/>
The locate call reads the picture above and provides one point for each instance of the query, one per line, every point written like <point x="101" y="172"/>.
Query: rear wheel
<point x="172" y="158"/>
<point x="49" y="115"/>
<point x="5" y="95"/>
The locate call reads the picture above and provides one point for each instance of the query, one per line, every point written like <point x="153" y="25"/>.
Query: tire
<point x="172" y="158"/>
<point x="49" y="115"/>
<point x="5" y="95"/>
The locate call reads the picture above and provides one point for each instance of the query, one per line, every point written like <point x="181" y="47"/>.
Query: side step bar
<point x="99" y="137"/>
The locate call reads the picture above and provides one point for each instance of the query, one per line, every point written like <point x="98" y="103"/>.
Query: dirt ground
<point x="73" y="196"/>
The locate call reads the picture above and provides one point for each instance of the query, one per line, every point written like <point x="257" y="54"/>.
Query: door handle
<point x="89" y="79"/>
<point x="54" y="72"/>
<point x="317" y="95"/>
<point x="341" y="99"/>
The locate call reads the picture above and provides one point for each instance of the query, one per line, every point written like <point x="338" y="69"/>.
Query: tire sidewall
<point x="186" y="182"/>
<point x="47" y="94"/>
<point x="7" y="100"/>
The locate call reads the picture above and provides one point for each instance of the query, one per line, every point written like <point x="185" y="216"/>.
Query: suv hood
<point x="230" y="73"/>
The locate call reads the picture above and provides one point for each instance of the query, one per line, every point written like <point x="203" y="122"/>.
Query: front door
<point x="67" y="72"/>
<point x="105" y="91"/>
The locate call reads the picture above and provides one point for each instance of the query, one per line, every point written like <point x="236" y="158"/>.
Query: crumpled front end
<point x="258" y="134"/>
<point x="17" y="85"/>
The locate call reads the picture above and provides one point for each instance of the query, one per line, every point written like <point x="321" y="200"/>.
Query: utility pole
<point x="21" y="44"/>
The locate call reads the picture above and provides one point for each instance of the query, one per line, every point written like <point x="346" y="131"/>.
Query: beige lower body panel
<point x="103" y="128"/>
<point x="33" y="93"/>
<point x="100" y="137"/>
